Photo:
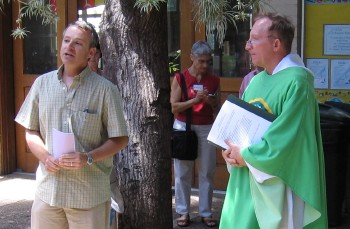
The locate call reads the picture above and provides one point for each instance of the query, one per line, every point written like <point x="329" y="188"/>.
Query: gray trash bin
<point x="334" y="128"/>
<point x="346" y="203"/>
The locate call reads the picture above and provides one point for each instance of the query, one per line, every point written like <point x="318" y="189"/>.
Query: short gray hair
<point x="201" y="48"/>
<point x="87" y="27"/>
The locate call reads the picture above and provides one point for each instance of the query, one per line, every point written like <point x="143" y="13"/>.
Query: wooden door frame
<point x="20" y="94"/>
<point x="67" y="12"/>
<point x="7" y="130"/>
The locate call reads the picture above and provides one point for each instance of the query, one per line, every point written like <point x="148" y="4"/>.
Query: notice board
<point x="327" y="47"/>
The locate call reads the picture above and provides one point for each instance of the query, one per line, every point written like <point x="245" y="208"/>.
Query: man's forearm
<point x="36" y="145"/>
<point x="109" y="148"/>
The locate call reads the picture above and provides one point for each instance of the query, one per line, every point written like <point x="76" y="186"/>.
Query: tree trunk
<point x="134" y="47"/>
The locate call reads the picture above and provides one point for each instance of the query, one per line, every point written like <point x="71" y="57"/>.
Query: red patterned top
<point x="202" y="113"/>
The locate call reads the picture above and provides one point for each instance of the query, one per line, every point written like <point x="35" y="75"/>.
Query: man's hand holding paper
<point x="74" y="160"/>
<point x="51" y="164"/>
<point x="232" y="154"/>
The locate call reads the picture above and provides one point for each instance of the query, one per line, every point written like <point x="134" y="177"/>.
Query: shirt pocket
<point x="87" y="129"/>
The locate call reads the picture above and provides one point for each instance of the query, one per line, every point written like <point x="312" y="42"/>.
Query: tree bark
<point x="134" y="47"/>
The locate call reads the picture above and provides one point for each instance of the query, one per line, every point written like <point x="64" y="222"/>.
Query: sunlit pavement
<point x="17" y="194"/>
<point x="16" y="187"/>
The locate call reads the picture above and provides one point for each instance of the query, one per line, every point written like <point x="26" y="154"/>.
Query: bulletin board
<point x="327" y="47"/>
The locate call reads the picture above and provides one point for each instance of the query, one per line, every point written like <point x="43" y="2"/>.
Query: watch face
<point x="89" y="159"/>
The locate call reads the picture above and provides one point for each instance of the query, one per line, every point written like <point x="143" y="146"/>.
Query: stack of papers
<point x="62" y="143"/>
<point x="241" y="122"/>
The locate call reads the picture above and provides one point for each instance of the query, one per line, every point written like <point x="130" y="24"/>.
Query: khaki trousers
<point x="44" y="216"/>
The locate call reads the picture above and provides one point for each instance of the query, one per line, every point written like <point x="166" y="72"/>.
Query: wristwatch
<point x="90" y="159"/>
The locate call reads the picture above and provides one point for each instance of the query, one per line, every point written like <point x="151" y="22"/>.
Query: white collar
<point x="291" y="60"/>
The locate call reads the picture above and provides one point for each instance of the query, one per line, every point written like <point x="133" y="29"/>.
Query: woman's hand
<point x="199" y="97"/>
<point x="212" y="100"/>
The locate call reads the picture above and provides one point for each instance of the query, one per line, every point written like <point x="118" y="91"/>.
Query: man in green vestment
<point x="280" y="181"/>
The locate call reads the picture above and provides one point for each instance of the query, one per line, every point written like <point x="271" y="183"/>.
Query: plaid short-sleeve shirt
<point x="91" y="108"/>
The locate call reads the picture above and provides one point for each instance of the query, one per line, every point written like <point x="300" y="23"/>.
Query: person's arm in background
<point x="247" y="78"/>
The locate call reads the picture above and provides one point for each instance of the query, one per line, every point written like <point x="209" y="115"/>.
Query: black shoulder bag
<point x="184" y="144"/>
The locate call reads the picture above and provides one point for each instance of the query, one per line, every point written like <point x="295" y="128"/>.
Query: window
<point x="40" y="47"/>
<point x="92" y="15"/>
<point x="232" y="60"/>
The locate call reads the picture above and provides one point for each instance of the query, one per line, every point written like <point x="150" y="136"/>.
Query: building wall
<point x="289" y="8"/>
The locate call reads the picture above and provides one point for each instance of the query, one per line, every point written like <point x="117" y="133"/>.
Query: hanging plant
<point x="217" y="14"/>
<point x="32" y="8"/>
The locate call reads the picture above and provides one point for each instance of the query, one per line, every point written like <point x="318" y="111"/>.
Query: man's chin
<point x="67" y="61"/>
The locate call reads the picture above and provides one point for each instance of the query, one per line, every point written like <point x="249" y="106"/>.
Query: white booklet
<point x="62" y="143"/>
<point x="242" y="123"/>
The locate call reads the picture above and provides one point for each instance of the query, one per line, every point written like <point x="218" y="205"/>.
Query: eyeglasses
<point x="203" y="60"/>
<point x="254" y="41"/>
<point x="208" y="62"/>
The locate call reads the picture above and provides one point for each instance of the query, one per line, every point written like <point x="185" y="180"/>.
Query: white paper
<point x="340" y="74"/>
<point x="197" y="87"/>
<point x="319" y="68"/>
<point x="237" y="124"/>
<point x="336" y="40"/>
<point x="62" y="143"/>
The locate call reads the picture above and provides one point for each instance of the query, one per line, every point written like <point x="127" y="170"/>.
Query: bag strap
<point x="189" y="110"/>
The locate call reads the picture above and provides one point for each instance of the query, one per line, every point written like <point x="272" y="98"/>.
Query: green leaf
<point x="148" y="5"/>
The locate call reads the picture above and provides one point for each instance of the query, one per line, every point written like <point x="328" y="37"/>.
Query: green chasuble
<point x="290" y="150"/>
